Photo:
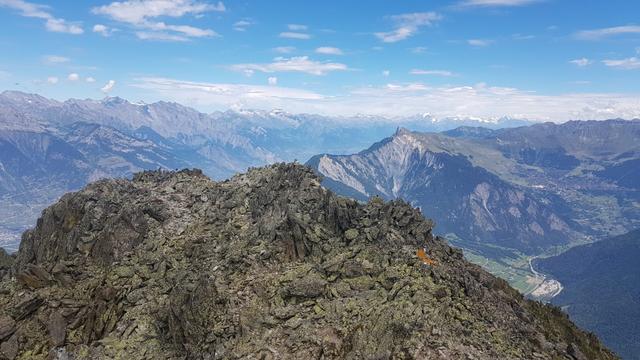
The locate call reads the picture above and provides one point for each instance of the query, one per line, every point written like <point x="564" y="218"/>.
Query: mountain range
<point x="507" y="194"/>
<point x="50" y="147"/>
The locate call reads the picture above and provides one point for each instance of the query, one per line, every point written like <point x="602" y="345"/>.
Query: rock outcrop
<point x="267" y="265"/>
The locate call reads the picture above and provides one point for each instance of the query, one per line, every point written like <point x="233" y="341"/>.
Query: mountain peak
<point x="114" y="100"/>
<point x="152" y="257"/>
<point x="400" y="131"/>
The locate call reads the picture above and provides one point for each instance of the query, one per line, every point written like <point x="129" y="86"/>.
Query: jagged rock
<point x="9" y="349"/>
<point x="6" y="262"/>
<point x="27" y="306"/>
<point x="57" y="328"/>
<point x="576" y="353"/>
<point x="267" y="265"/>
<point x="34" y="277"/>
<point x="7" y="327"/>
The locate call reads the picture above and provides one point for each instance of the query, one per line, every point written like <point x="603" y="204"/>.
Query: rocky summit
<point x="267" y="265"/>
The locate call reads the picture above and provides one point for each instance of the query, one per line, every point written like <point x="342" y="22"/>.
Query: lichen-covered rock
<point x="267" y="265"/>
<point x="6" y="262"/>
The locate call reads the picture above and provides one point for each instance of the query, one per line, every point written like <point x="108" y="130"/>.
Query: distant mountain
<point x="602" y="289"/>
<point x="36" y="167"/>
<point x="458" y="184"/>
<point x="505" y="193"/>
<point x="50" y="147"/>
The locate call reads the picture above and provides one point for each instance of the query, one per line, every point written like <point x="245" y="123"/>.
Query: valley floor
<point x="518" y="270"/>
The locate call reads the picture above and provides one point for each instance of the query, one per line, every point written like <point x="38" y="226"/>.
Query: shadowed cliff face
<point x="267" y="265"/>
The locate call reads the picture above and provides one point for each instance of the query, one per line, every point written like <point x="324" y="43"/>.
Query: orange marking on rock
<point x="425" y="259"/>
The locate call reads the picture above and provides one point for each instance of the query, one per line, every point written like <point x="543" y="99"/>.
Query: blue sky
<point x="540" y="59"/>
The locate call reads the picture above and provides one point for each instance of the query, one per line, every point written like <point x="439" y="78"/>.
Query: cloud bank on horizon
<point x="536" y="59"/>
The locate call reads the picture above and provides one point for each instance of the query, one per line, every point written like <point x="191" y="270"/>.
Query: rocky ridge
<point x="267" y="265"/>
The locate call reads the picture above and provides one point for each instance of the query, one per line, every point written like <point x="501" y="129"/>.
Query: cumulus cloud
<point x="90" y="79"/>
<point x="103" y="30"/>
<point x="631" y="63"/>
<point x="294" y="35"/>
<point x="52" y="23"/>
<point x="272" y="80"/>
<point x="400" y="99"/>
<point x="407" y="25"/>
<point x="582" y="62"/>
<point x="295" y="64"/>
<point x="431" y="72"/>
<point x="242" y="25"/>
<point x="108" y="86"/>
<point x="73" y="77"/>
<point x="142" y="15"/>
<point x="52" y="80"/>
<point x="598" y="34"/>
<point x="328" y="50"/>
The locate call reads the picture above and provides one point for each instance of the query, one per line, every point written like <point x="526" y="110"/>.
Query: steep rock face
<point x="267" y="265"/>
<point x="451" y="179"/>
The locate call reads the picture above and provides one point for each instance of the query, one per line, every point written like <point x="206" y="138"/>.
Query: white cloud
<point x="55" y="59"/>
<point x="479" y="42"/>
<point x="140" y="14"/>
<point x="60" y="25"/>
<point x="408" y="25"/>
<point x="73" y="77"/>
<point x="52" y="80"/>
<point x="523" y="37"/>
<point x="581" y="62"/>
<point x="103" y="30"/>
<point x="495" y="3"/>
<point x="328" y="50"/>
<point x="297" y="27"/>
<point x="419" y="50"/>
<point x="161" y="36"/>
<point x="431" y="72"/>
<point x="272" y="80"/>
<point x="284" y="49"/>
<point x="598" y="34"/>
<point x="242" y="25"/>
<point x="295" y="64"/>
<point x="386" y="73"/>
<point x="90" y="79"/>
<point x="294" y="35"/>
<point x="108" y="86"/>
<point x="478" y="100"/>
<point x="224" y="96"/>
<point x="52" y="23"/>
<point x="631" y="63"/>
